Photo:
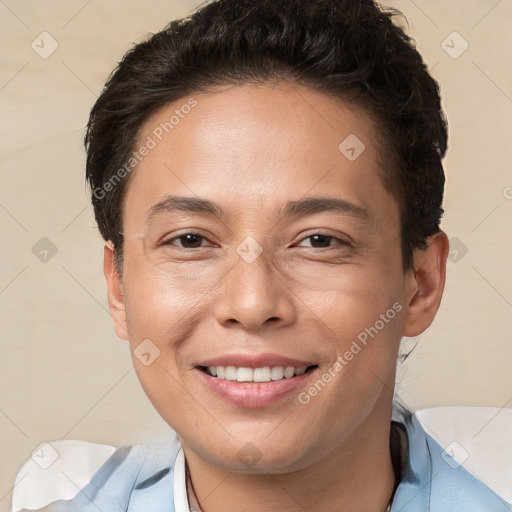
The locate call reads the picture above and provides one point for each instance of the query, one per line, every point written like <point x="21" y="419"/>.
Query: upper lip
<point x="255" y="361"/>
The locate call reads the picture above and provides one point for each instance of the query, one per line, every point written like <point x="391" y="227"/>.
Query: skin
<point x="251" y="149"/>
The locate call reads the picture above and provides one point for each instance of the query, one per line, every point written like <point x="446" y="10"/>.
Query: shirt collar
<point x="180" y="484"/>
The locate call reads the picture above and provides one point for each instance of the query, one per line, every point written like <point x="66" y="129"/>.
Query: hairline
<point x="386" y="159"/>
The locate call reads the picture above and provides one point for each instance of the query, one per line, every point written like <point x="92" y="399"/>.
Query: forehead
<point x="255" y="145"/>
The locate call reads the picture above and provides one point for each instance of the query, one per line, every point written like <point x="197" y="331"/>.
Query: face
<point x="256" y="244"/>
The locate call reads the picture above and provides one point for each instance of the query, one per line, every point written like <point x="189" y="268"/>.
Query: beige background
<point x="65" y="375"/>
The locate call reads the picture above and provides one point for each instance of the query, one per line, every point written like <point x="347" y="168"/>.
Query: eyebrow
<point x="300" y="208"/>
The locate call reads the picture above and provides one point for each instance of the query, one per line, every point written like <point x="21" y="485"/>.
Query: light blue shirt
<point x="150" y="477"/>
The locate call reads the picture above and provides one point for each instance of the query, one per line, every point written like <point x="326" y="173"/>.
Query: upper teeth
<point x="264" y="374"/>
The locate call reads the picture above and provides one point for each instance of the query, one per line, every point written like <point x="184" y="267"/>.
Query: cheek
<point x="162" y="311"/>
<point x="358" y="315"/>
<point x="164" y="302"/>
<point x="164" y="307"/>
<point x="348" y="298"/>
<point x="162" y="299"/>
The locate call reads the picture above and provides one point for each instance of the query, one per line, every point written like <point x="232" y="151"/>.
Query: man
<point x="268" y="179"/>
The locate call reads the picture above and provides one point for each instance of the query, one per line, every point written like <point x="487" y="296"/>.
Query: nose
<point x="254" y="295"/>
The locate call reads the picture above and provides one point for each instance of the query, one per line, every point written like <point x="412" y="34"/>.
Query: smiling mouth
<point x="257" y="375"/>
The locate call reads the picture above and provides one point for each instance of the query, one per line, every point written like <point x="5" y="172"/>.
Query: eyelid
<point x="167" y="241"/>
<point x="342" y="239"/>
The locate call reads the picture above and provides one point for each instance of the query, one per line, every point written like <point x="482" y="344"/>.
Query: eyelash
<point x="327" y="235"/>
<point x="168" y="242"/>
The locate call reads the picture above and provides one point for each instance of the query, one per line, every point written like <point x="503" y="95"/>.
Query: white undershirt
<point x="179" y="484"/>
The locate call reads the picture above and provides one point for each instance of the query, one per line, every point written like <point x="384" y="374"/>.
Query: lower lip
<point x="253" y="394"/>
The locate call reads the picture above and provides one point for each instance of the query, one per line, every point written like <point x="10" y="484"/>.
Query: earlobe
<point x="114" y="291"/>
<point x="427" y="281"/>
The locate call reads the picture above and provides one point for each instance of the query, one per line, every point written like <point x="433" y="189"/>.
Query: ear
<point x="115" y="292"/>
<point x="426" y="284"/>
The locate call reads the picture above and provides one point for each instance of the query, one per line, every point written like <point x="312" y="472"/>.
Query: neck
<point x="358" y="475"/>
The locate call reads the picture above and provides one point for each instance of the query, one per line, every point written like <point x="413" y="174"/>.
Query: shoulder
<point x="460" y="459"/>
<point x="73" y="470"/>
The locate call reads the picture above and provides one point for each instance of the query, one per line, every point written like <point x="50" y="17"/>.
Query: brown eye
<point x="187" y="241"/>
<point x="321" y="241"/>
